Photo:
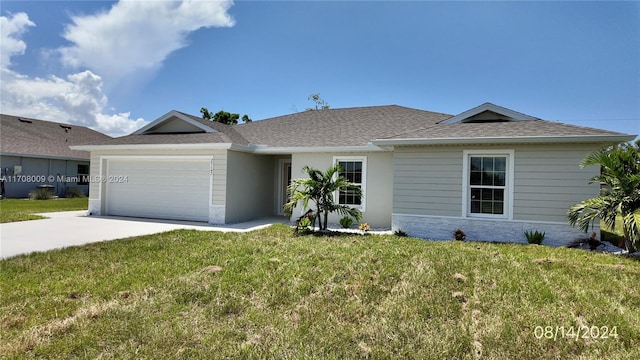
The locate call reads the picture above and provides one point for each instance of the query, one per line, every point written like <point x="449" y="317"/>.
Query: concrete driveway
<point x="72" y="228"/>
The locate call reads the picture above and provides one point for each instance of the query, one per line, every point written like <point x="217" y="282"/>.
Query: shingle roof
<point x="39" y="138"/>
<point x="337" y="127"/>
<point x="198" y="138"/>
<point x="501" y="129"/>
<point x="357" y="126"/>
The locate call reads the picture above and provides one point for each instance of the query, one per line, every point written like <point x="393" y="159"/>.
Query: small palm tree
<point x="319" y="188"/>
<point x="620" y="194"/>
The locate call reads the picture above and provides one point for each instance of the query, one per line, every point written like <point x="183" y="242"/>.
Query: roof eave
<point x="197" y="146"/>
<point x="604" y="139"/>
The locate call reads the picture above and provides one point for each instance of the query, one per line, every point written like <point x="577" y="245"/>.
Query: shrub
<point x="346" y="222"/>
<point x="459" y="235"/>
<point x="364" y="227"/>
<point x="304" y="223"/>
<point x="400" y="233"/>
<point x="74" y="192"/>
<point x="41" y="194"/>
<point x="534" y="237"/>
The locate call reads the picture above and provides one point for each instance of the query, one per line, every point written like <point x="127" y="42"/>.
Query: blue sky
<point x="115" y="66"/>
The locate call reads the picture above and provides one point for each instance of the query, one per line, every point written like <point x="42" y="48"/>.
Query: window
<point x="354" y="171"/>
<point x="83" y="175"/>
<point x="487" y="188"/>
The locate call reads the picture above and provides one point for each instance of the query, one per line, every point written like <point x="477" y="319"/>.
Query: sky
<point x="114" y="66"/>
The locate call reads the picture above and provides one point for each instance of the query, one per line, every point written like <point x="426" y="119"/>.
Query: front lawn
<point x="268" y="294"/>
<point x="24" y="209"/>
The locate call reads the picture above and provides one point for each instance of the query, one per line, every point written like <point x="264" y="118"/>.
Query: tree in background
<point x="620" y="194"/>
<point x="320" y="187"/>
<point x="223" y="116"/>
<point x="320" y="104"/>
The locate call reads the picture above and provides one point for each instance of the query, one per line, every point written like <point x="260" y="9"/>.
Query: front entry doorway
<point x="285" y="180"/>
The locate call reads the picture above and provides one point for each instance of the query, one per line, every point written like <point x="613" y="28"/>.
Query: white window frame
<point x="508" y="191"/>
<point x="362" y="207"/>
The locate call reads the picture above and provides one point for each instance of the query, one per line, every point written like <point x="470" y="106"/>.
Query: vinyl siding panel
<point x="94" y="171"/>
<point x="427" y="181"/>
<point x="219" y="193"/>
<point x="547" y="180"/>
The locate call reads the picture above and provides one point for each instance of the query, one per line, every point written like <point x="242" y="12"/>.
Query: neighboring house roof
<point x="21" y="136"/>
<point x="360" y="127"/>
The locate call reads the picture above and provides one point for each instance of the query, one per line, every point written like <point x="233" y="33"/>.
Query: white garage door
<point x="163" y="189"/>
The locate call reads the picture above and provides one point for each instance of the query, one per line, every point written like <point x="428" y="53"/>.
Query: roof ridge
<point x="346" y="109"/>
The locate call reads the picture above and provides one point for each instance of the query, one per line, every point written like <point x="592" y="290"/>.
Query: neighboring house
<point x="36" y="152"/>
<point x="490" y="171"/>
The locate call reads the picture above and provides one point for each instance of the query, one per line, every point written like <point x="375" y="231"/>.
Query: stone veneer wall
<point x="442" y="228"/>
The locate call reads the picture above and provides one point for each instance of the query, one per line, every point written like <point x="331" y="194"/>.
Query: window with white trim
<point x="354" y="171"/>
<point x="488" y="178"/>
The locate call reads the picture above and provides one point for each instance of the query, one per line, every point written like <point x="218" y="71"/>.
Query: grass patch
<point x="269" y="294"/>
<point x="22" y="209"/>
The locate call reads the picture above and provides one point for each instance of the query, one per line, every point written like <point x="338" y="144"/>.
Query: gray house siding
<point x="428" y="192"/>
<point x="54" y="172"/>
<point x="427" y="181"/>
<point x="548" y="180"/>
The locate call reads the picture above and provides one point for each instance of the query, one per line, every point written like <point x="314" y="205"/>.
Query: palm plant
<point x="319" y="188"/>
<point x="620" y="194"/>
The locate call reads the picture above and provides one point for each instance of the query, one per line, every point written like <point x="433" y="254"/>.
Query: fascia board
<point x="256" y="149"/>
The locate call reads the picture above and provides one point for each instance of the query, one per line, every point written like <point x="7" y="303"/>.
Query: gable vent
<point x="487" y="117"/>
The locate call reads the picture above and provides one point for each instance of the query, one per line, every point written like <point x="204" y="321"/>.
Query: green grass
<point x="23" y="209"/>
<point x="338" y="297"/>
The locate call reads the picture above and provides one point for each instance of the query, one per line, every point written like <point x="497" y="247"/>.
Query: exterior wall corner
<point x="95" y="207"/>
<point x="216" y="214"/>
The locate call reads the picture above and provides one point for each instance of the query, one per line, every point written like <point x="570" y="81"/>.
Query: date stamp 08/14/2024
<point x="575" y="332"/>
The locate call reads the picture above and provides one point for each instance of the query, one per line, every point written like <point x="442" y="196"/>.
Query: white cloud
<point x="138" y="35"/>
<point x="130" y="37"/>
<point x="78" y="99"/>
<point x="11" y="29"/>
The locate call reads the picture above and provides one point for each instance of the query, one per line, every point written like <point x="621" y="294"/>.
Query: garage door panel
<point x="166" y="189"/>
